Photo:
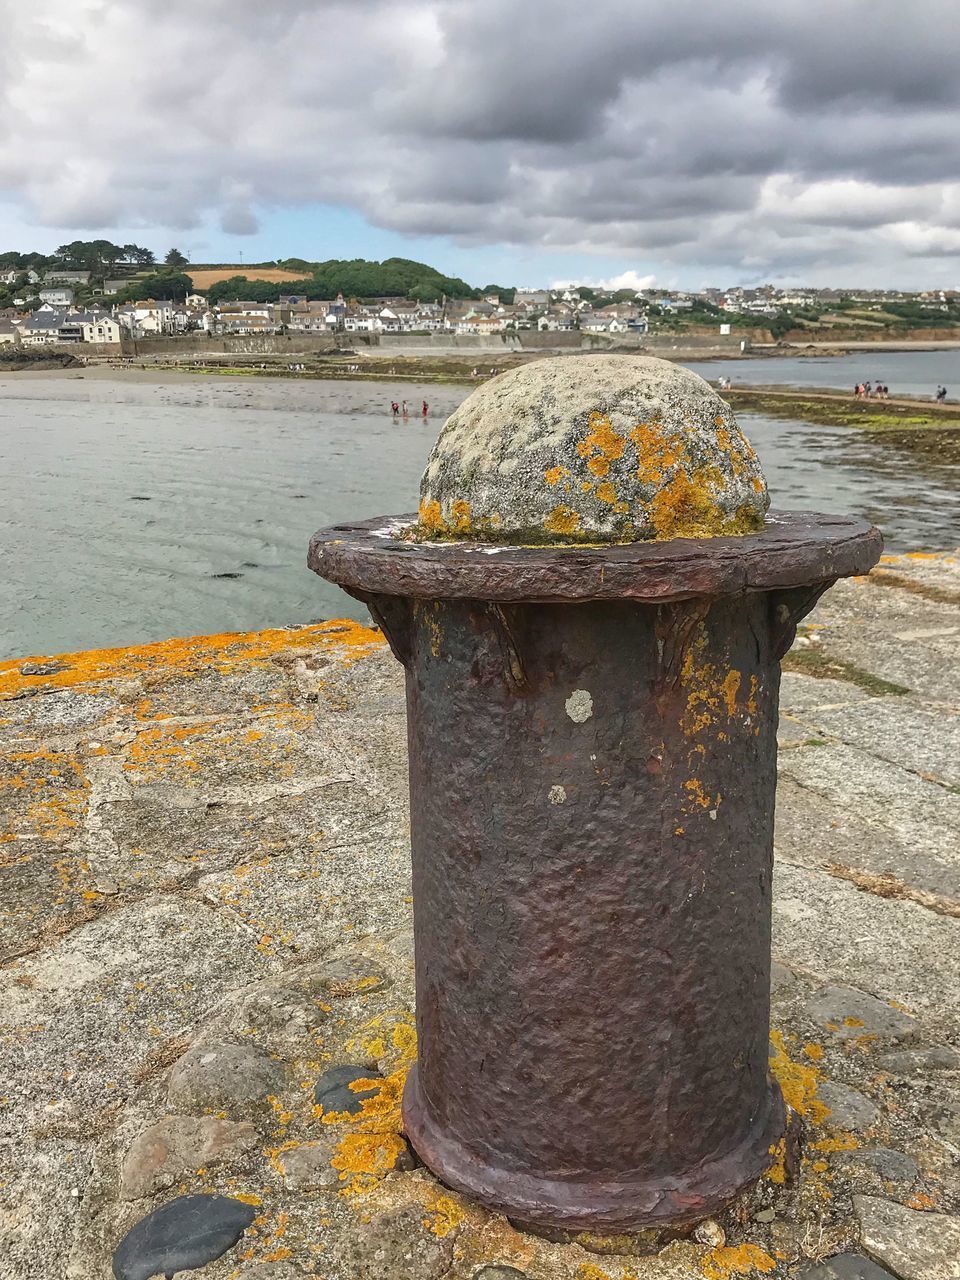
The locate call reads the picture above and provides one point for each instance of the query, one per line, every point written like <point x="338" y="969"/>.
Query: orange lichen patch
<point x="813" y="1051"/>
<point x="920" y="1201"/>
<point x="362" y="1159"/>
<point x="656" y="452"/>
<point x="736" y="1260"/>
<point x="431" y="516"/>
<point x="599" y="466"/>
<point x="461" y="516"/>
<point x="444" y="1215"/>
<point x="374" y="1142"/>
<point x="777" y="1172"/>
<point x="798" y="1082"/>
<point x="839" y="1142"/>
<point x="601" y="441"/>
<point x="562" y="520"/>
<point x="554" y="475"/>
<point x="685" y="508"/>
<point x="606" y="493"/>
<point x="153" y="749"/>
<point x="700" y="797"/>
<point x="50" y="793"/>
<point x="192" y="656"/>
<point x="731" y="684"/>
<point x="853" y="1022"/>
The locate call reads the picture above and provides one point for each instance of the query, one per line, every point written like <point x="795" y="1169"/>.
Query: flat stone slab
<point x="913" y="1245"/>
<point x="205" y="848"/>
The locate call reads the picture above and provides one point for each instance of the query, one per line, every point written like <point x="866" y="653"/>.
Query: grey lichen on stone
<point x="592" y="449"/>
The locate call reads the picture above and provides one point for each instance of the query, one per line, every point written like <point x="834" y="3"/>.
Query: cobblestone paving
<point x="207" y="982"/>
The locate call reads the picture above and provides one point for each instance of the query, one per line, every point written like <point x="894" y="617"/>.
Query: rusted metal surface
<point x="592" y="791"/>
<point x="792" y="548"/>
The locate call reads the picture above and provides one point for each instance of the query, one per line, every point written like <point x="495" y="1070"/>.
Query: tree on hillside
<point x="94" y="256"/>
<point x="141" y="257"/>
<point x="175" y="258"/>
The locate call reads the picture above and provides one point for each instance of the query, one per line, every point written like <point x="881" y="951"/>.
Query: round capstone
<point x="595" y="448"/>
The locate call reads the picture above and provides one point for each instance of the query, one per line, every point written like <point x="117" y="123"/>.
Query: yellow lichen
<point x="554" y="475"/>
<point x="562" y="520"/>
<point x="700" y="797"/>
<point x="731" y="684"/>
<point x="684" y="509"/>
<point x="362" y="1159"/>
<point x="736" y="1260"/>
<point x="431" y="516"/>
<point x="461" y="516"/>
<point x="374" y="1142"/>
<point x="601" y="441"/>
<point x="656" y="452"/>
<point x="606" y="493"/>
<point x="798" y="1083"/>
<point x="777" y="1172"/>
<point x="444" y="1215"/>
<point x="196" y="655"/>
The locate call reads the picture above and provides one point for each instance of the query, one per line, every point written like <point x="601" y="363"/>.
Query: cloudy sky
<point x="693" y="142"/>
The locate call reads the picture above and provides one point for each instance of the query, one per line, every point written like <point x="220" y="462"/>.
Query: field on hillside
<point x="204" y="277"/>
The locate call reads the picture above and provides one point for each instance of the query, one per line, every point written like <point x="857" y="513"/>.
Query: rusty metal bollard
<point x="591" y="611"/>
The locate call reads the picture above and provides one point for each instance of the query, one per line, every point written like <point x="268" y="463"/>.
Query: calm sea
<point x="133" y="511"/>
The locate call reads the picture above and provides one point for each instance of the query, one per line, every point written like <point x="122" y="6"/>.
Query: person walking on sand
<point x="395" y="408"/>
<point x="424" y="408"/>
<point x="405" y="409"/>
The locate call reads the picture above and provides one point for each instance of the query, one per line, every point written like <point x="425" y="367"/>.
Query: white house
<point x="480" y="324"/>
<point x="247" y="317"/>
<point x="148" y="318"/>
<point x="88" y="326"/>
<point x="57" y="276"/>
<point x="69" y="327"/>
<point x="57" y="295"/>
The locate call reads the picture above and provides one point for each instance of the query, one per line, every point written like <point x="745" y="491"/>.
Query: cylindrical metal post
<point x="592" y="772"/>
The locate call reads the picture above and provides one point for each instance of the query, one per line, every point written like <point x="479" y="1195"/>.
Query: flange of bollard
<point x="591" y="607"/>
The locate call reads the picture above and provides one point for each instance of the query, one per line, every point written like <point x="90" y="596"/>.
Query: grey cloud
<point x="802" y="136"/>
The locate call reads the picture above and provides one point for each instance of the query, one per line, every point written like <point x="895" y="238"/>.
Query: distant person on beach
<point x="404" y="408"/>
<point x="395" y="408"/>
<point x="424" y="408"/>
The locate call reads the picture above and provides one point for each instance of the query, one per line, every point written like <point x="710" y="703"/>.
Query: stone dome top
<point x="593" y="448"/>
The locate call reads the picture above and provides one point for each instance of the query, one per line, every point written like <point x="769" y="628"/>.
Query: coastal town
<point x="67" y="305"/>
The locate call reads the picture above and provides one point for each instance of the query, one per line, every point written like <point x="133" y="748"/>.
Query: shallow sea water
<point x="133" y="511"/>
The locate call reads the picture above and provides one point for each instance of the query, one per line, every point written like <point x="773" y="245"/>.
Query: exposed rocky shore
<point x="207" y="981"/>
